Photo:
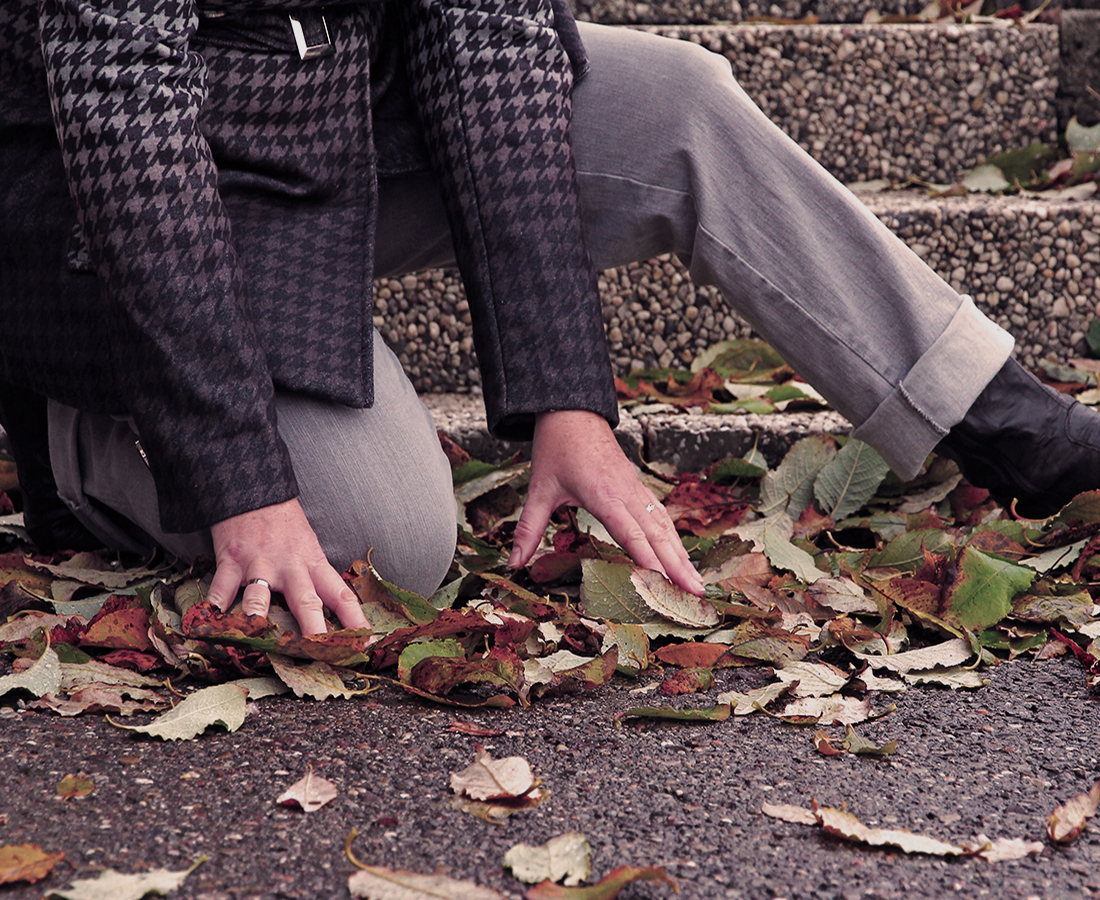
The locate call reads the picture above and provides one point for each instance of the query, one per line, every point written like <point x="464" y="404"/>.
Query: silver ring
<point x="259" y="581"/>
<point x="651" y="507"/>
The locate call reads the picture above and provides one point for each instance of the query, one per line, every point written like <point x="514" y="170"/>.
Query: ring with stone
<point x="259" y="581"/>
<point x="651" y="507"/>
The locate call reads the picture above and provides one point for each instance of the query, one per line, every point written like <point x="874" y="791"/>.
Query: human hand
<point x="575" y="459"/>
<point x="276" y="545"/>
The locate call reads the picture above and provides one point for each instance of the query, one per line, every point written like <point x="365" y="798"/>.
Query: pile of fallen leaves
<point x="842" y="581"/>
<point x="839" y="582"/>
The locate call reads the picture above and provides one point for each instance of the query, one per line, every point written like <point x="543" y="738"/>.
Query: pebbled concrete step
<point x="688" y="441"/>
<point x="1033" y="265"/>
<point x="896" y="101"/>
<point x="702" y="12"/>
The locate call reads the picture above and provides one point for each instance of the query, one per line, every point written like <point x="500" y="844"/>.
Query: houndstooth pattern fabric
<point x="492" y="80"/>
<point x="226" y="200"/>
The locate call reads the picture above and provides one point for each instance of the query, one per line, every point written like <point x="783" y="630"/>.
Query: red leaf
<point x="122" y="624"/>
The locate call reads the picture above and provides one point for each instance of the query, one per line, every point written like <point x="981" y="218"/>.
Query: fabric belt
<point x="304" y="33"/>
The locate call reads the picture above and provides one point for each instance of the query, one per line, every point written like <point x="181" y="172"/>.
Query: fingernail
<point x="513" y="560"/>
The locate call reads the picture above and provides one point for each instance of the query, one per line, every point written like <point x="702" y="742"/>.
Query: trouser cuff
<point x="937" y="392"/>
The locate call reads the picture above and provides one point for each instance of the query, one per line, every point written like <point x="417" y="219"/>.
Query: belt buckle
<point x="307" y="50"/>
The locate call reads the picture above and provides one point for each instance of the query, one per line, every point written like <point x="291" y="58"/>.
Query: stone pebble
<point x="1033" y="267"/>
<point x="896" y="102"/>
<point x="657" y="12"/>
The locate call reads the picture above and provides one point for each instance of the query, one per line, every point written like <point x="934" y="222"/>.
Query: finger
<point x="256" y="600"/>
<point x="304" y="602"/>
<point x="530" y="528"/>
<point x="225" y="584"/>
<point x="666" y="543"/>
<point x="337" y="596"/>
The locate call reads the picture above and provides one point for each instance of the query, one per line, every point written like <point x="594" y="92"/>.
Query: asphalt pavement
<point x="686" y="797"/>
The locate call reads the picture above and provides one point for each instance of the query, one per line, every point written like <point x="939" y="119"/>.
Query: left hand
<point x="575" y="459"/>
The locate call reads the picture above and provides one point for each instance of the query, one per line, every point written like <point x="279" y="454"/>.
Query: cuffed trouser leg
<point x="673" y="155"/>
<point x="368" y="478"/>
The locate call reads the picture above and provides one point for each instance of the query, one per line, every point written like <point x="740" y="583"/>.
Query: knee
<point x="408" y="528"/>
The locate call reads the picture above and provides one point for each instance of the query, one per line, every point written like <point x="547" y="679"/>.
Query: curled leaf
<point x="567" y="856"/>
<point x="494" y="779"/>
<point x="309" y="793"/>
<point x="606" y="888"/>
<point x="1068" y="820"/>
<point x="26" y="862"/>
<point x="381" y="883"/>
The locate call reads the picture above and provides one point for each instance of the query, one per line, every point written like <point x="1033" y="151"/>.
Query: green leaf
<point x="416" y="653"/>
<point x="790" y="488"/>
<point x="567" y="856"/>
<point x="782" y="554"/>
<point x="759" y="406"/>
<point x="1080" y="139"/>
<point x="1025" y="164"/>
<point x="112" y="885"/>
<point x="222" y="704"/>
<point x="787" y="392"/>
<point x="718" y="713"/>
<point x="1092" y="335"/>
<point x="906" y="552"/>
<point x="848" y="480"/>
<point x="745" y="360"/>
<point x="43" y="677"/>
<point x="982" y="594"/>
<point x="608" y="593"/>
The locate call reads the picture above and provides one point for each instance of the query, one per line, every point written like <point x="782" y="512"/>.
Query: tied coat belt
<point x="188" y="196"/>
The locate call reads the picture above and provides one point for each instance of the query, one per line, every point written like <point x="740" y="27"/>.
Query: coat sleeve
<point x="491" y="80"/>
<point x="125" y="91"/>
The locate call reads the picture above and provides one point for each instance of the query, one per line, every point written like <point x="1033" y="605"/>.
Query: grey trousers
<point x="671" y="156"/>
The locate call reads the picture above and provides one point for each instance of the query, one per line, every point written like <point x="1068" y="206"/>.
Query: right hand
<point x="277" y="544"/>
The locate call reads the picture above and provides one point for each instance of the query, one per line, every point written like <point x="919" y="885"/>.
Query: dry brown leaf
<point x="494" y="779"/>
<point x="949" y="653"/>
<point x="381" y="883"/>
<point x="811" y="679"/>
<point x="73" y="786"/>
<point x="672" y="602"/>
<point x="848" y="826"/>
<point x="310" y="793"/>
<point x="26" y="862"/>
<point x="789" y="813"/>
<point x="1002" y="849"/>
<point x="834" y="710"/>
<point x="1068" y="820"/>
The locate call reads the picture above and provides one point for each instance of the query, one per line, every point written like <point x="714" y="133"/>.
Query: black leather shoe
<point x="1025" y="441"/>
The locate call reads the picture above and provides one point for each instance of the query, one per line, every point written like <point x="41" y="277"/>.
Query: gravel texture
<point x="1033" y="265"/>
<point x="896" y="101"/>
<point x="994" y="761"/>
<point x="659" y="12"/>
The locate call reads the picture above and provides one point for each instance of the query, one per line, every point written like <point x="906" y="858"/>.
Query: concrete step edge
<point x="689" y="441"/>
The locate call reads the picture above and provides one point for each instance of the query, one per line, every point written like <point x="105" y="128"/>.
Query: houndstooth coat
<point x="187" y="211"/>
